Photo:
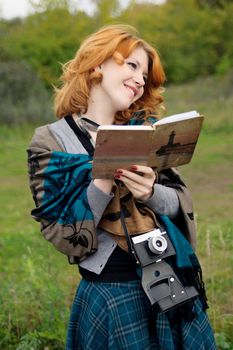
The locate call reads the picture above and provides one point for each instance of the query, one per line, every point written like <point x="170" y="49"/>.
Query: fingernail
<point x="117" y="176"/>
<point x="119" y="171"/>
<point x="134" y="167"/>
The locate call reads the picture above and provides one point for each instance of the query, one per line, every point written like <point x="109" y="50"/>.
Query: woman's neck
<point x="99" y="118"/>
<point x="98" y="110"/>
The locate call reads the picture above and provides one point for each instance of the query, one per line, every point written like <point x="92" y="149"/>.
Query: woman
<point x="115" y="77"/>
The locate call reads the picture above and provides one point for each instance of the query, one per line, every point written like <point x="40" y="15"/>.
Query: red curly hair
<point x="116" y="41"/>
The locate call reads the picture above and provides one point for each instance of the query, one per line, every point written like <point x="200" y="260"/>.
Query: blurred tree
<point x="48" y="38"/>
<point x="225" y="47"/>
<point x="106" y="10"/>
<point x="45" y="5"/>
<point x="188" y="38"/>
<point x="23" y="96"/>
<point x="5" y="27"/>
<point x="213" y="3"/>
<point x="193" y="40"/>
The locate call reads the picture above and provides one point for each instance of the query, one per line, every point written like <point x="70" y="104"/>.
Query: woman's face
<point x="122" y="85"/>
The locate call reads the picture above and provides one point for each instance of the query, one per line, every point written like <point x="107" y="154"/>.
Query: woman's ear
<point x="98" y="68"/>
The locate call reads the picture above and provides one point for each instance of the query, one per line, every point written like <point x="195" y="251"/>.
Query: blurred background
<point x="194" y="39"/>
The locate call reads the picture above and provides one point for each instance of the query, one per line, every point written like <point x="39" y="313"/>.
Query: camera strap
<point x="129" y="242"/>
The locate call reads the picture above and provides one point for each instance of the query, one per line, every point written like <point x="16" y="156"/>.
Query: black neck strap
<point x="129" y="242"/>
<point x="83" y="138"/>
<point x="91" y="122"/>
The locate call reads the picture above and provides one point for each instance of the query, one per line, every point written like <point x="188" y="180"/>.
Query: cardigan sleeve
<point x="185" y="218"/>
<point x="59" y="197"/>
<point x="164" y="201"/>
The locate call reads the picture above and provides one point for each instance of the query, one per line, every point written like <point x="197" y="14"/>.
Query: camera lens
<point x="157" y="245"/>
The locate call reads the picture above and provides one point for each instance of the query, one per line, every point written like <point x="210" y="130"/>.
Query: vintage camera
<point x="152" y="246"/>
<point x="159" y="281"/>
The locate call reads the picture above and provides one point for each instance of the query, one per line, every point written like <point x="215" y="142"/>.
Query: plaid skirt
<point x="117" y="316"/>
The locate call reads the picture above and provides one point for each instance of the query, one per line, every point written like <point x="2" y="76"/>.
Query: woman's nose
<point x="139" y="79"/>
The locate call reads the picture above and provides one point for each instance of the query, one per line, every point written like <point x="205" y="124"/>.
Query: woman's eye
<point x="132" y="65"/>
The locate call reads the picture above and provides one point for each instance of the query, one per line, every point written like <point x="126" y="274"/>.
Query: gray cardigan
<point x="164" y="200"/>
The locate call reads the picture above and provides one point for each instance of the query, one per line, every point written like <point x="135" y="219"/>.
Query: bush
<point x="23" y="96"/>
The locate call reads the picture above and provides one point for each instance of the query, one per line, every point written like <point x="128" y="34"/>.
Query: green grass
<point x="37" y="283"/>
<point x="209" y="176"/>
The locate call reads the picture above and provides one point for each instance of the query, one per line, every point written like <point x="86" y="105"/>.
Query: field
<point x="38" y="284"/>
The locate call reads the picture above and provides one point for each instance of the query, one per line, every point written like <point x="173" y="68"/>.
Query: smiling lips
<point x="132" y="88"/>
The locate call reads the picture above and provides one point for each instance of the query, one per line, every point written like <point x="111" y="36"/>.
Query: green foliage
<point x="213" y="3"/>
<point x="106" y="9"/>
<point x="39" y="341"/>
<point x="224" y="65"/>
<point x="193" y="37"/>
<point x="47" y="39"/>
<point x="30" y="341"/>
<point x="225" y="45"/>
<point x="222" y="342"/>
<point x="188" y="38"/>
<point x="23" y="96"/>
<point x="48" y="5"/>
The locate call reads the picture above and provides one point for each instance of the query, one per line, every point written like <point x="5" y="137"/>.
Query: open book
<point x="167" y="143"/>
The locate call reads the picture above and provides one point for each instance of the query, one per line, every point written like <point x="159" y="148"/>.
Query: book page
<point x="124" y="127"/>
<point x="177" y="117"/>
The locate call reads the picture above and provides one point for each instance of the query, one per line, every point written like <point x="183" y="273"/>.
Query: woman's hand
<point x="139" y="180"/>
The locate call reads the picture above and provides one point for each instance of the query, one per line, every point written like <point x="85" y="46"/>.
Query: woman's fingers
<point x="136" y="173"/>
<point x="142" y="169"/>
<point x="139" y="180"/>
